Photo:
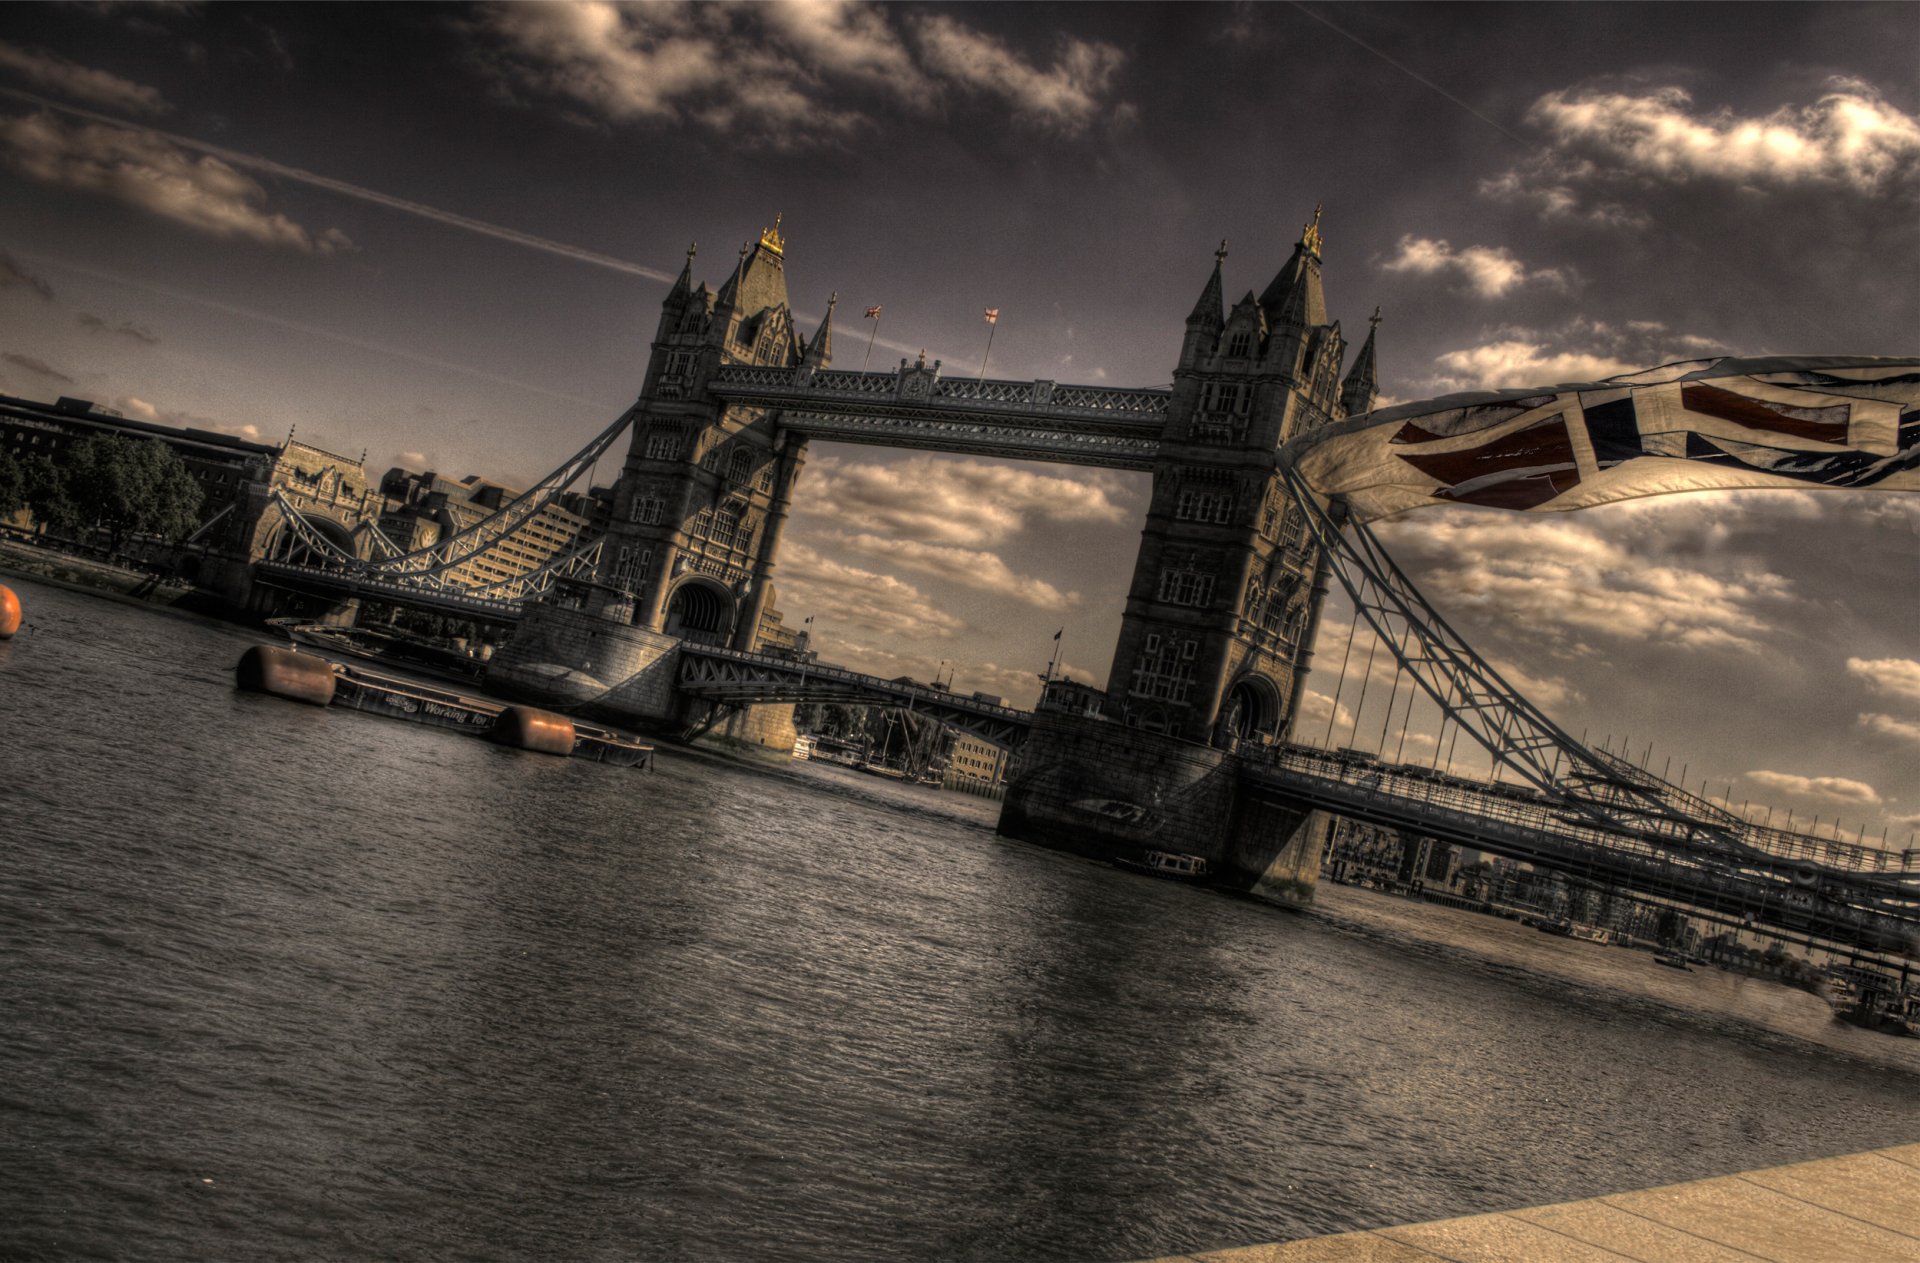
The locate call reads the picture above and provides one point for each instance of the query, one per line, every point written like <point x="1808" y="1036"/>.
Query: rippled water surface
<point x="279" y="982"/>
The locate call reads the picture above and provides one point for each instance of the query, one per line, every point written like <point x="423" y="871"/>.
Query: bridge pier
<point x="1107" y="791"/>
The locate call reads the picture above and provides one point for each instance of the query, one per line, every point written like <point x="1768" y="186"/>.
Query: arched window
<point x="740" y="466"/>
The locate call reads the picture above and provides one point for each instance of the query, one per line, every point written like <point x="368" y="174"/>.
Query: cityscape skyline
<point x="262" y="211"/>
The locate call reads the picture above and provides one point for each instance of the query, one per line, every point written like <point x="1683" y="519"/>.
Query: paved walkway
<point x="1862" y="1208"/>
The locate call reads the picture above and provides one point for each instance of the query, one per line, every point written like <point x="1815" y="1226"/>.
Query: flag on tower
<point x="1056" y="635"/>
<point x="993" y="315"/>
<point x="873" y="313"/>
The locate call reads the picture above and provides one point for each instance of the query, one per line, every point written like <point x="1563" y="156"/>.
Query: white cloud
<point x="1489" y="271"/>
<point x="141" y="410"/>
<point x="56" y="73"/>
<point x="962" y="503"/>
<point x="852" y="597"/>
<point x="1834" y="789"/>
<point x="1851" y="138"/>
<point x="143" y="170"/>
<point x="1563" y="573"/>
<point x="1888" y="726"/>
<point x="785" y="74"/>
<point x="1898" y="676"/>
<point x="1513" y="362"/>
<point x="1066" y="97"/>
<point x="970" y="568"/>
<point x="1580" y="350"/>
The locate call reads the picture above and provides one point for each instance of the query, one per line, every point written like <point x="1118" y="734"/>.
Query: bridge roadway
<point x="1829" y="892"/>
<point x="735" y="678"/>
<point x="341" y="584"/>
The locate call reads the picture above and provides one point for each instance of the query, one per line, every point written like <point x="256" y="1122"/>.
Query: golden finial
<point x="1310" y="235"/>
<point x="1220" y="255"/>
<point x="771" y="238"/>
<point x="1374" y="320"/>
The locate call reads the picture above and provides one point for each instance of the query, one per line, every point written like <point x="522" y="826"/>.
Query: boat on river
<point x="1673" y="960"/>
<point x="1169" y="864"/>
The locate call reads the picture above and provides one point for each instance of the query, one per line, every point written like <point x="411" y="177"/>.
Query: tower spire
<point x="820" y="350"/>
<point x="1360" y="388"/>
<point x="1208" y="310"/>
<point x="1295" y="298"/>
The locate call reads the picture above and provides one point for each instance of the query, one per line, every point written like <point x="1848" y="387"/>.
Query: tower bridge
<point x="1190" y="746"/>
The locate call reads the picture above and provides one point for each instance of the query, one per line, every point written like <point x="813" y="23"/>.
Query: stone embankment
<point x="1864" y="1206"/>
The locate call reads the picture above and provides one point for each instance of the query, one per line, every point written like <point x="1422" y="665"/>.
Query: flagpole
<point x="993" y="323"/>
<point x="875" y="313"/>
<point x="1056" y="655"/>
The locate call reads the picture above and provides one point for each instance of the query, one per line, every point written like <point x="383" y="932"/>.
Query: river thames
<point x="290" y="983"/>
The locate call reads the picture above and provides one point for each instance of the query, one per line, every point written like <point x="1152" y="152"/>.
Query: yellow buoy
<point x="9" y="612"/>
<point x="284" y="673"/>
<point x="525" y="728"/>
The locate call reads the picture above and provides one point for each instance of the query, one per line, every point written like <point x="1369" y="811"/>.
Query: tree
<point x="46" y="495"/>
<point x="13" y="483"/>
<point x="134" y="485"/>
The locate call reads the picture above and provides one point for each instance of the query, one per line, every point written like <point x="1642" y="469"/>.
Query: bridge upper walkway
<point x="914" y="406"/>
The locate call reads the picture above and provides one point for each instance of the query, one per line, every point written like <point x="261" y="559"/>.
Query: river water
<point x="279" y="982"/>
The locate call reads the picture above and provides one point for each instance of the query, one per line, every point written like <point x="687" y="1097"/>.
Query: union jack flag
<point x="1811" y="421"/>
<point x="993" y="315"/>
<point x="873" y="313"/>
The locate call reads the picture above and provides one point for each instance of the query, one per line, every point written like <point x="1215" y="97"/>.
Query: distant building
<point x="423" y="509"/>
<point x="976" y="760"/>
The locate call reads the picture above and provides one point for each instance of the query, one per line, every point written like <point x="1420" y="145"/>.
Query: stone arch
<point x="1251" y="710"/>
<point x="700" y="610"/>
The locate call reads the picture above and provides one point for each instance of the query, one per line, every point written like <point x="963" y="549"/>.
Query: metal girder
<point x="738" y="678"/>
<point x="1534" y="827"/>
<point x="1605" y="791"/>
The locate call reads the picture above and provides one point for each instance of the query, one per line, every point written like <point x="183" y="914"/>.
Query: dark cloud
<point x="12" y="274"/>
<point x="38" y="367"/>
<point x="126" y="328"/>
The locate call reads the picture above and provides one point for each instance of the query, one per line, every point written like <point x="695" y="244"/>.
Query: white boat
<point x="1169" y="864"/>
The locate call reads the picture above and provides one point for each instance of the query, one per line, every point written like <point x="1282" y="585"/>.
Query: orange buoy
<point x="285" y="673"/>
<point x="525" y="728"/>
<point x="9" y="612"/>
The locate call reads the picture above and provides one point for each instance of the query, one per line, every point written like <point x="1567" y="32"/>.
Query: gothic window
<point x="765" y="481"/>
<point x="1240" y="345"/>
<point x="1204" y="506"/>
<point x="711" y="460"/>
<point x="628" y="568"/>
<point x="739" y="466"/>
<point x="1165" y="671"/>
<point x="663" y="443"/>
<point x="648" y="510"/>
<point x="1226" y="398"/>
<point x="1185" y="587"/>
<point x="674" y="374"/>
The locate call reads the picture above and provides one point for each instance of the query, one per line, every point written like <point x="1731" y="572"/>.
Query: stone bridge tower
<point x="704" y="494"/>
<point x="1225" y="598"/>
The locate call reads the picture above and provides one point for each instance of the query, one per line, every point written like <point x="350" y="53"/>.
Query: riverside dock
<point x="1859" y="1208"/>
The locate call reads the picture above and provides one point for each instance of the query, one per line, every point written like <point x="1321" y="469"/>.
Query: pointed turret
<point x="1294" y="300"/>
<point x="820" y="350"/>
<point x="684" y="286"/>
<point x="1209" y="312"/>
<point x="730" y="288"/>
<point x="1361" y="386"/>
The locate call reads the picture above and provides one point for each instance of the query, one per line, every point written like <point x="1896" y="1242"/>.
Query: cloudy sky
<point x="442" y="234"/>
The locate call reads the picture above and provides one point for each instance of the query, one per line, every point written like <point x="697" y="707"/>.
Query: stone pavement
<point x="1861" y="1208"/>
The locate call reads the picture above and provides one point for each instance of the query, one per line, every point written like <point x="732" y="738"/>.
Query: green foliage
<point x="46" y="494"/>
<point x="13" y="483"/>
<point x="133" y="485"/>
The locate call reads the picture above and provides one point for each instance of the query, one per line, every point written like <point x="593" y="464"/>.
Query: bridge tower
<point x="704" y="494"/>
<point x="1225" y="598"/>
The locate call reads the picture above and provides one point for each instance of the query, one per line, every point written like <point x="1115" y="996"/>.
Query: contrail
<point x="1415" y="77"/>
<point x="313" y="331"/>
<point x="269" y="167"/>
